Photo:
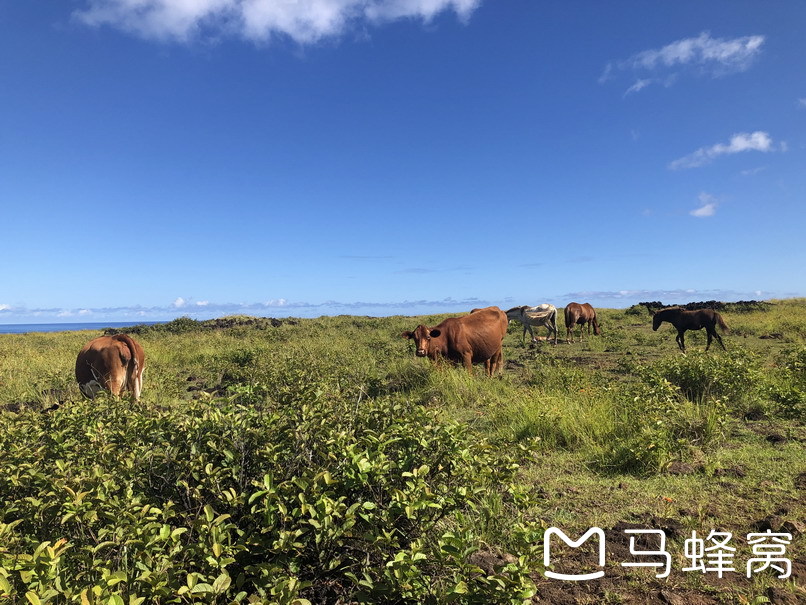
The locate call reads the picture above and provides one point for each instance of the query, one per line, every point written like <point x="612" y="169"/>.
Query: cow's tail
<point x="132" y="364"/>
<point x="721" y="322"/>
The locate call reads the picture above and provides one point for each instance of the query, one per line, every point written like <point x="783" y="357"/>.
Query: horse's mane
<point x="519" y="308"/>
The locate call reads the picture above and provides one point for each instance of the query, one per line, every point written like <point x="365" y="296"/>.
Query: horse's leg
<point x="708" y="336"/>
<point x="712" y="332"/>
<point x="681" y="340"/>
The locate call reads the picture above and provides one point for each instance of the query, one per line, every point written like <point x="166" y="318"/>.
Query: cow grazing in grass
<point x="474" y="338"/>
<point x="111" y="363"/>
<point x="542" y="315"/>
<point x="576" y="314"/>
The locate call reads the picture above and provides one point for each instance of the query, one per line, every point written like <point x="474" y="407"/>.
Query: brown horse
<point x="691" y="320"/>
<point x="576" y="314"/>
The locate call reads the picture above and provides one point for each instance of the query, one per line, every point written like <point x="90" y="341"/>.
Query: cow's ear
<point x="407" y="334"/>
<point x="434" y="333"/>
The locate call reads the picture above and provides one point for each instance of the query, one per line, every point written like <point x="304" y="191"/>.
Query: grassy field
<point x="317" y="460"/>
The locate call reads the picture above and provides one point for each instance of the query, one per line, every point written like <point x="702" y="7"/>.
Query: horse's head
<point x="657" y="320"/>
<point x="515" y="313"/>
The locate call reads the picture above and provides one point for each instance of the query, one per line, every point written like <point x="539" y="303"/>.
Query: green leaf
<point x="202" y="588"/>
<point x="222" y="583"/>
<point x="32" y="598"/>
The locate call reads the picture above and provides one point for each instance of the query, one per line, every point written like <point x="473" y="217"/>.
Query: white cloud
<point x="703" y="54"/>
<point x="743" y="141"/>
<point x="753" y="171"/>
<point x="5" y="307"/>
<point x="179" y="303"/>
<point x="708" y="206"/>
<point x="704" y="211"/>
<point x="639" y="85"/>
<point x="723" y="56"/>
<point x="202" y="303"/>
<point x="304" y="21"/>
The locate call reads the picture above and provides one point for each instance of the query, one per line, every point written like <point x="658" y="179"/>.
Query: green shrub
<point x="302" y="498"/>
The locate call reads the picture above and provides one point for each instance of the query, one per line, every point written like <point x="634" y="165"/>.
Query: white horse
<point x="542" y="315"/>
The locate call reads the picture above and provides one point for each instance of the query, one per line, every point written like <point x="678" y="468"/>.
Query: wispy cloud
<point x="676" y="296"/>
<point x="305" y="22"/>
<point x="703" y="55"/>
<point x="743" y="141"/>
<point x="276" y="307"/>
<point x="802" y="103"/>
<point x="753" y="171"/>
<point x="638" y="86"/>
<point x="708" y="204"/>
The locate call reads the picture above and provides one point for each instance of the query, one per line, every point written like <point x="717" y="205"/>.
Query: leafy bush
<point x="786" y="387"/>
<point x="312" y="498"/>
<point x="732" y="376"/>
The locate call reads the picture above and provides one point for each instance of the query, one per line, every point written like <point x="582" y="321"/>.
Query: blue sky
<point x="161" y="158"/>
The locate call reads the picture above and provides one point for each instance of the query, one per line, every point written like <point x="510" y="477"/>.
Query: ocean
<point x="64" y="327"/>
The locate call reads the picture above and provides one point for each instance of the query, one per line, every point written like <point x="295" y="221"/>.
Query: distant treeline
<point x="740" y="306"/>
<point x="181" y="325"/>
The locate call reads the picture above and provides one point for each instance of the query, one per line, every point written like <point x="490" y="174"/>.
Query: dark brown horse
<point x="576" y="314"/>
<point x="691" y="320"/>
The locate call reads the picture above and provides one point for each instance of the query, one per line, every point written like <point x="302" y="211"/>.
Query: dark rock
<point x="682" y="468"/>
<point x="779" y="596"/>
<point x="729" y="472"/>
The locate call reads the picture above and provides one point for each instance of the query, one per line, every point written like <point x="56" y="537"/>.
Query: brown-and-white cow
<point x="111" y="363"/>
<point x="470" y="339"/>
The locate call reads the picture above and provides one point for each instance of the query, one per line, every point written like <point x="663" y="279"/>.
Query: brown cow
<point x="576" y="314"/>
<point x="470" y="339"/>
<point x="113" y="363"/>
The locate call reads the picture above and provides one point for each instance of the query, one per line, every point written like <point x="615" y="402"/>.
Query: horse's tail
<point x="721" y="322"/>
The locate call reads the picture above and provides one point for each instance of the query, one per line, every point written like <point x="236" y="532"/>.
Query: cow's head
<point x="421" y="337"/>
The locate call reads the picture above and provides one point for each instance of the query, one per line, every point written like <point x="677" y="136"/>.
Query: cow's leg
<point x="467" y="361"/>
<point x="493" y="364"/>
